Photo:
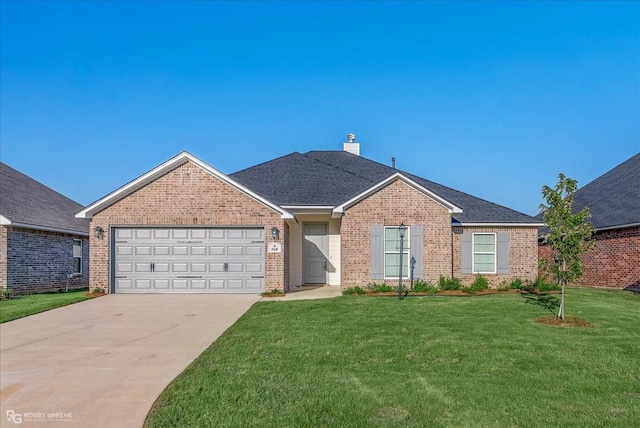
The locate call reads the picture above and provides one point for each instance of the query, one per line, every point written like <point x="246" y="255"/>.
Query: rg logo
<point x="14" y="417"/>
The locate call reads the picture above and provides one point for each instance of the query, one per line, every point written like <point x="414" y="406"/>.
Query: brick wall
<point x="523" y="254"/>
<point x="40" y="261"/>
<point x="187" y="196"/>
<point x="614" y="262"/>
<point x="394" y="204"/>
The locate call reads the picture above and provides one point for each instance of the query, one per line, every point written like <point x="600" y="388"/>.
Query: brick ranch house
<point x="43" y="247"/>
<point x="322" y="217"/>
<point x="614" y="202"/>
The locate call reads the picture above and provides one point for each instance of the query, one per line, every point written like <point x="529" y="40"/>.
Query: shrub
<point x="478" y="284"/>
<point x="353" y="291"/>
<point x="504" y="286"/>
<point x="422" y="286"/>
<point x="544" y="287"/>
<point x="272" y="293"/>
<point x="98" y="291"/>
<point x="449" y="283"/>
<point x="516" y="284"/>
<point x="6" y="293"/>
<point x="380" y="288"/>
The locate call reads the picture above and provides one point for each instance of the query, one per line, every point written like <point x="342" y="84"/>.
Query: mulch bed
<point x="566" y="322"/>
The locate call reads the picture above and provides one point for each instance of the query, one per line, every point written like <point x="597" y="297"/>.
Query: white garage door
<point x="189" y="260"/>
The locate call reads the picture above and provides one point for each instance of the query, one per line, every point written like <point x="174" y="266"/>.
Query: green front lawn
<point x="23" y="306"/>
<point x="423" y="361"/>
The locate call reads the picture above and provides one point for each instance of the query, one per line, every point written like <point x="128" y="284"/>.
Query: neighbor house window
<point x="484" y="253"/>
<point x="392" y="252"/>
<point x="77" y="256"/>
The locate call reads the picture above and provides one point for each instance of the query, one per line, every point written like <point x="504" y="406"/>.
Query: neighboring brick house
<point x="614" y="202"/>
<point x="323" y="217"/>
<point x="43" y="247"/>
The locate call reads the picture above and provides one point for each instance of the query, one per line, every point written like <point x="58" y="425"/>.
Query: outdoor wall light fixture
<point x="275" y="233"/>
<point x="99" y="232"/>
<point x="402" y="229"/>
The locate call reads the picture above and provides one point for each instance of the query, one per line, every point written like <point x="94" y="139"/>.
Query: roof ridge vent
<point x="351" y="146"/>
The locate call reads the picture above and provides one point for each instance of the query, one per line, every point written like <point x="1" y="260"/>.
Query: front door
<point x="315" y="247"/>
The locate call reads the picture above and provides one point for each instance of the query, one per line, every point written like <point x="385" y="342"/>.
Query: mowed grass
<point x="424" y="361"/>
<point x="23" y="306"/>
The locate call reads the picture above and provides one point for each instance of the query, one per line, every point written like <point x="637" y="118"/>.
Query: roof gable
<point x="26" y="202"/>
<point x="162" y="169"/>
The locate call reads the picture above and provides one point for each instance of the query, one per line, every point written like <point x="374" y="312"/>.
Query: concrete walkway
<point x="103" y="362"/>
<point x="308" y="292"/>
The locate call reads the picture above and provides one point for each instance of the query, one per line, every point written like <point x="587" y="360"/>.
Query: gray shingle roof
<point x="614" y="197"/>
<point x="329" y="178"/>
<point x="24" y="200"/>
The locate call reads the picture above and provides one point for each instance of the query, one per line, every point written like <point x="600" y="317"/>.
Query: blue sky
<point x="491" y="98"/>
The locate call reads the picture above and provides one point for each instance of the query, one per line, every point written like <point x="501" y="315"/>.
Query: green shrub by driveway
<point x="23" y="306"/>
<point x="432" y="361"/>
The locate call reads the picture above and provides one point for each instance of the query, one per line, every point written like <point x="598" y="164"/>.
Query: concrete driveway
<point x="103" y="362"/>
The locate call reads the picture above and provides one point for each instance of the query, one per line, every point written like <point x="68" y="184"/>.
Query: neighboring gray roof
<point x="613" y="198"/>
<point x="26" y="201"/>
<point x="329" y="178"/>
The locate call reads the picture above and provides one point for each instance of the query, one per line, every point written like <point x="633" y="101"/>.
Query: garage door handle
<point x="226" y="267"/>
<point x="182" y="277"/>
<point x="253" y="277"/>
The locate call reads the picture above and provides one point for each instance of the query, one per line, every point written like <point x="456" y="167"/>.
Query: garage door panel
<point x="199" y="284"/>
<point x="124" y="250"/>
<point x="180" y="250"/>
<point x="199" y="250"/>
<point x="124" y="268"/>
<point x="235" y="267"/>
<point x="254" y="284"/>
<point x="235" y="250"/>
<point x="254" y="250"/>
<point x="161" y="234"/>
<point x="217" y="250"/>
<point x="161" y="284"/>
<point x="143" y="233"/>
<point x="235" y="284"/>
<point x="198" y="267"/>
<point x="161" y="267"/>
<point x="143" y="284"/>
<point x="180" y="233"/>
<point x="124" y="284"/>
<point x="255" y="234"/>
<point x="199" y="233"/>
<point x="216" y="284"/>
<point x="180" y="284"/>
<point x="235" y="234"/>
<point x="180" y="267"/>
<point x="161" y="250"/>
<point x="143" y="250"/>
<point x="142" y="267"/>
<point x="182" y="260"/>
<point x="254" y="268"/>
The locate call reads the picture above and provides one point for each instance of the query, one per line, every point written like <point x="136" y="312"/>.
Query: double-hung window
<point x="392" y="252"/>
<point x="77" y="256"/>
<point x="484" y="253"/>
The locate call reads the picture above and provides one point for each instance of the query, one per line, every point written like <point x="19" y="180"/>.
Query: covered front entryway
<point x="188" y="260"/>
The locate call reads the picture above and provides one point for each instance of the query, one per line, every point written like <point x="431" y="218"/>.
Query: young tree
<point x="569" y="234"/>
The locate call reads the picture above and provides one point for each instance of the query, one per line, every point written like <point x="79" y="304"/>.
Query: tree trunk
<point x="563" y="281"/>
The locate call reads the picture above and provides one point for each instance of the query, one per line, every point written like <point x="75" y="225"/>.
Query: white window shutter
<point x="466" y="253"/>
<point x="377" y="252"/>
<point x="417" y="250"/>
<point x="503" y="252"/>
